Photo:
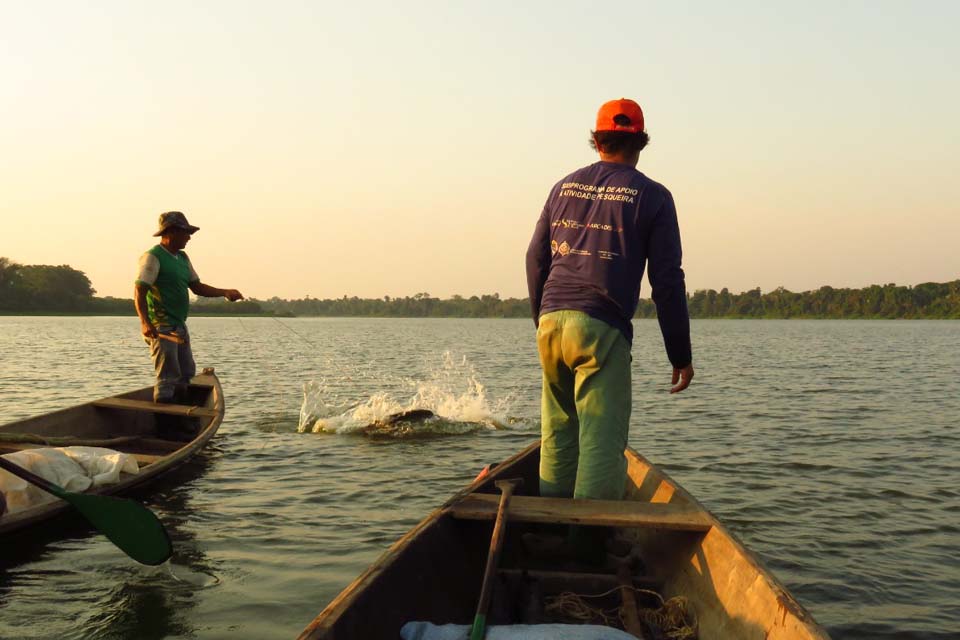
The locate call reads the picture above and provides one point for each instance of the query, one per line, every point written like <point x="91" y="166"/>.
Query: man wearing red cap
<point x="600" y="228"/>
<point x="162" y="303"/>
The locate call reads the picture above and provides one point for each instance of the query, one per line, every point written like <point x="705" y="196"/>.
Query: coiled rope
<point x="674" y="617"/>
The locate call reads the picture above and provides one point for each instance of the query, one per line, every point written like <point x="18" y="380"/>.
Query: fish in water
<point x="388" y="425"/>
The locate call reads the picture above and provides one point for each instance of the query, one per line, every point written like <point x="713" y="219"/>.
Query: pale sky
<point x="389" y="148"/>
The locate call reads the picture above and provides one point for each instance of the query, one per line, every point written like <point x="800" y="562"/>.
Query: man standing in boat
<point x="162" y="303"/>
<point x="600" y="227"/>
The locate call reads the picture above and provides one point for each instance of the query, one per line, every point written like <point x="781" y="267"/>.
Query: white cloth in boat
<point x="430" y="631"/>
<point x="72" y="468"/>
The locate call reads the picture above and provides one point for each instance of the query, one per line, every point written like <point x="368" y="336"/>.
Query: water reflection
<point x="106" y="594"/>
<point x="154" y="603"/>
<point x="811" y="466"/>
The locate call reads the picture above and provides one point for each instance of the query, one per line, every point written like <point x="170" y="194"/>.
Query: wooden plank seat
<point x="156" y="407"/>
<point x="611" y="513"/>
<point x="557" y="581"/>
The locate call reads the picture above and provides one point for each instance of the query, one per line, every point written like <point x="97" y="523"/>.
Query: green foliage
<point x="420" y="305"/>
<point x="9" y="277"/>
<point x="220" y="307"/>
<point x="929" y="300"/>
<point x="113" y="306"/>
<point x="61" y="289"/>
<point x="43" y="288"/>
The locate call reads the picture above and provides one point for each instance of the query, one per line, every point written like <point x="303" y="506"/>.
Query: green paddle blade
<point x="479" y="629"/>
<point x="128" y="524"/>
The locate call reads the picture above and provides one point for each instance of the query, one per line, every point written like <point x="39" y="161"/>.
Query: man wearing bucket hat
<point x="601" y="226"/>
<point x="162" y="304"/>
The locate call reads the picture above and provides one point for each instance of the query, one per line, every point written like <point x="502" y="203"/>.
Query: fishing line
<point x="260" y="356"/>
<point x="345" y="375"/>
<point x="294" y="331"/>
<point x="343" y="371"/>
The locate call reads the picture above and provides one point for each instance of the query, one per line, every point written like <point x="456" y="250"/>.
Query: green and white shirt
<point x="169" y="277"/>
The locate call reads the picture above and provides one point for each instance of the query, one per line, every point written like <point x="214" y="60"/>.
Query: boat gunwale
<point x="12" y="522"/>
<point x="784" y="597"/>
<point x="331" y="613"/>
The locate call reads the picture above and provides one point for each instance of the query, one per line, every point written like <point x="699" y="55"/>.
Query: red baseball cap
<point x="620" y="115"/>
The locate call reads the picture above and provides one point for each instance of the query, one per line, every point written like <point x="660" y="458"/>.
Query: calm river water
<point x="831" y="448"/>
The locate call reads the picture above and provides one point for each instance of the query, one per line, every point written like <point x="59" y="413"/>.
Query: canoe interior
<point x="87" y="421"/>
<point x="434" y="572"/>
<point x="160" y="442"/>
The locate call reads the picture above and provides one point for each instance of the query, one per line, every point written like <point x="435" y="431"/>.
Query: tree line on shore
<point x="43" y="289"/>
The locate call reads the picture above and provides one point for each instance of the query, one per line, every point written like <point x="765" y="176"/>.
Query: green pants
<point x="585" y="406"/>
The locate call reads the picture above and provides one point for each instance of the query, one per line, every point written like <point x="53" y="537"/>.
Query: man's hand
<point x="232" y="295"/>
<point x="683" y="376"/>
<point x="148" y="330"/>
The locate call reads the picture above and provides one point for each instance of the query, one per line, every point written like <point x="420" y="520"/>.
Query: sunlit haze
<point x="381" y="148"/>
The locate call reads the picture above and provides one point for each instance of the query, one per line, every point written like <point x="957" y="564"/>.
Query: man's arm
<point x="140" y="303"/>
<point x="149" y="268"/>
<point x="664" y="257"/>
<point x="208" y="291"/>
<point x="538" y="264"/>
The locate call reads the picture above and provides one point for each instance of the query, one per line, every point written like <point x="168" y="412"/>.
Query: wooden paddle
<point x="506" y="487"/>
<point x="128" y="524"/>
<point x="172" y="337"/>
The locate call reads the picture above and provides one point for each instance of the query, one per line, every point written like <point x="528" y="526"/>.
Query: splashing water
<point x="452" y="391"/>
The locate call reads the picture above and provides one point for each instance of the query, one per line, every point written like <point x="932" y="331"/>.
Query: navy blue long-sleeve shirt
<point x="600" y="227"/>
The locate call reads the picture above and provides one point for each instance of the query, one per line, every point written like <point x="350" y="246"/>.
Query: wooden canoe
<point x="161" y="436"/>
<point x="434" y="572"/>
